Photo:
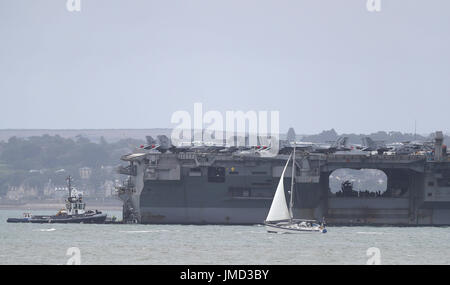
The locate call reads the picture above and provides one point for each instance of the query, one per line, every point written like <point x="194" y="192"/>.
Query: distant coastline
<point x="110" y="135"/>
<point x="56" y="205"/>
<point x="114" y="135"/>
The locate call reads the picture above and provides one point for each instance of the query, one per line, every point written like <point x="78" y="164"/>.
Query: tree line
<point x="34" y="160"/>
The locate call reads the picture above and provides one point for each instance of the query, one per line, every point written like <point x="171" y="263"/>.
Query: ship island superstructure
<point x="231" y="186"/>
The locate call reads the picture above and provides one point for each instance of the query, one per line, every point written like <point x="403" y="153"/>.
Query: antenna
<point x="415" y="129"/>
<point x="69" y="180"/>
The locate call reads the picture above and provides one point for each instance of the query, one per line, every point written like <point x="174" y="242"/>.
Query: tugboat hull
<point x="91" y="219"/>
<point x="17" y="220"/>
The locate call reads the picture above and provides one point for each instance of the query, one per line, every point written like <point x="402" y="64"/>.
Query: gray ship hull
<point x="212" y="188"/>
<point x="195" y="201"/>
<point x="202" y="216"/>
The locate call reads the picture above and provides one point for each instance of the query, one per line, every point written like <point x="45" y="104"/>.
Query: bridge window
<point x="196" y="171"/>
<point x="216" y="174"/>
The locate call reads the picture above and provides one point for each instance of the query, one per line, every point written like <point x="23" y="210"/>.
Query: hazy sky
<point x="131" y="64"/>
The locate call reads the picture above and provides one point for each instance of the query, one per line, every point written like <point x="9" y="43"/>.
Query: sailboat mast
<point x="291" y="202"/>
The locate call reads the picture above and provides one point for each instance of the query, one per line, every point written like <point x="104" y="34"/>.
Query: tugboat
<point x="73" y="213"/>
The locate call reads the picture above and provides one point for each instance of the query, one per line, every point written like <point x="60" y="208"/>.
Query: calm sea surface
<point x="184" y="244"/>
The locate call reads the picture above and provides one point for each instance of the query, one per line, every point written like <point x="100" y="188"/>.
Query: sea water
<point x="214" y="244"/>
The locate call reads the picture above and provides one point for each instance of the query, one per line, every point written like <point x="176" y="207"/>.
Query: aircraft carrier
<point x="210" y="185"/>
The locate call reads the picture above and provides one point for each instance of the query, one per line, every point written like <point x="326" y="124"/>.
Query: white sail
<point x="279" y="209"/>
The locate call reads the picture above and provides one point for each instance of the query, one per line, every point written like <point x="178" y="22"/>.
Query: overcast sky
<point x="131" y="64"/>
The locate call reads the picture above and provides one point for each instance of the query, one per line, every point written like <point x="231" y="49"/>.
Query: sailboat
<point x="280" y="218"/>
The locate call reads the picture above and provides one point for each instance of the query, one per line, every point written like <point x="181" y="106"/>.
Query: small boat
<point x="73" y="213"/>
<point x="25" y="219"/>
<point x="280" y="218"/>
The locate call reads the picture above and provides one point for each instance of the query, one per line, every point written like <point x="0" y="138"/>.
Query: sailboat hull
<point x="293" y="229"/>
